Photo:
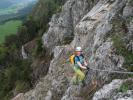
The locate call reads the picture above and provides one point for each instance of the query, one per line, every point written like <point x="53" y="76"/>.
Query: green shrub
<point x="27" y="31"/>
<point x="43" y="12"/>
<point x="126" y="86"/>
<point x="12" y="40"/>
<point x="11" y="76"/>
<point x="3" y="54"/>
<point x="39" y="47"/>
<point x="21" y="86"/>
<point x="39" y="51"/>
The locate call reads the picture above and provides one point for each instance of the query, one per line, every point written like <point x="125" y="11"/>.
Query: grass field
<point x="8" y="28"/>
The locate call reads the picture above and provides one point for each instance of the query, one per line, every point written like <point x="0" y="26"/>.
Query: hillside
<point x="12" y="14"/>
<point x="103" y="28"/>
<point x="10" y="9"/>
<point x="13" y="6"/>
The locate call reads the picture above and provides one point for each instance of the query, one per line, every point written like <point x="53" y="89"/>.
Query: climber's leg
<point x="74" y="79"/>
<point x="80" y="75"/>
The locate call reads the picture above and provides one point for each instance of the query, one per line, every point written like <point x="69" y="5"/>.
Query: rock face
<point x="40" y="65"/>
<point x="108" y="90"/>
<point x="124" y="96"/>
<point x="93" y="25"/>
<point x="24" y="54"/>
<point x="111" y="92"/>
<point x="62" y="25"/>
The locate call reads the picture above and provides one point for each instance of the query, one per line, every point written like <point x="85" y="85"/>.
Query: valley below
<point x="12" y="14"/>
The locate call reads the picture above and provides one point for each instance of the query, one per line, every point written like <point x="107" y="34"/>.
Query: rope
<point x="111" y="71"/>
<point x="119" y="72"/>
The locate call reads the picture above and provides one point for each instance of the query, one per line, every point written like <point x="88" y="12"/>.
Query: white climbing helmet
<point x="78" y="49"/>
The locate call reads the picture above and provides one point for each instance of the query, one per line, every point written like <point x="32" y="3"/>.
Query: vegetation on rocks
<point x="121" y="50"/>
<point x="15" y="73"/>
<point x="11" y="75"/>
<point x="128" y="85"/>
<point x="44" y="11"/>
<point x="118" y="34"/>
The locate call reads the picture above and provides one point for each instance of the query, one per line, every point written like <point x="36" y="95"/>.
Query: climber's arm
<point x="83" y="67"/>
<point x="85" y="63"/>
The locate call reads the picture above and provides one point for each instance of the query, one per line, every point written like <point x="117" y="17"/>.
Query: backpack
<point x="72" y="58"/>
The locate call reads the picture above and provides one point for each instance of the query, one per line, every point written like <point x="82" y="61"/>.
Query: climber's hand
<point x="84" y="67"/>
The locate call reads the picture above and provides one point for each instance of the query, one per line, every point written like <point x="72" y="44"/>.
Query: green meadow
<point x="8" y="28"/>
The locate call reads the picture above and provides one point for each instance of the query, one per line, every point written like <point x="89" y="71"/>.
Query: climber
<point x="79" y="64"/>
